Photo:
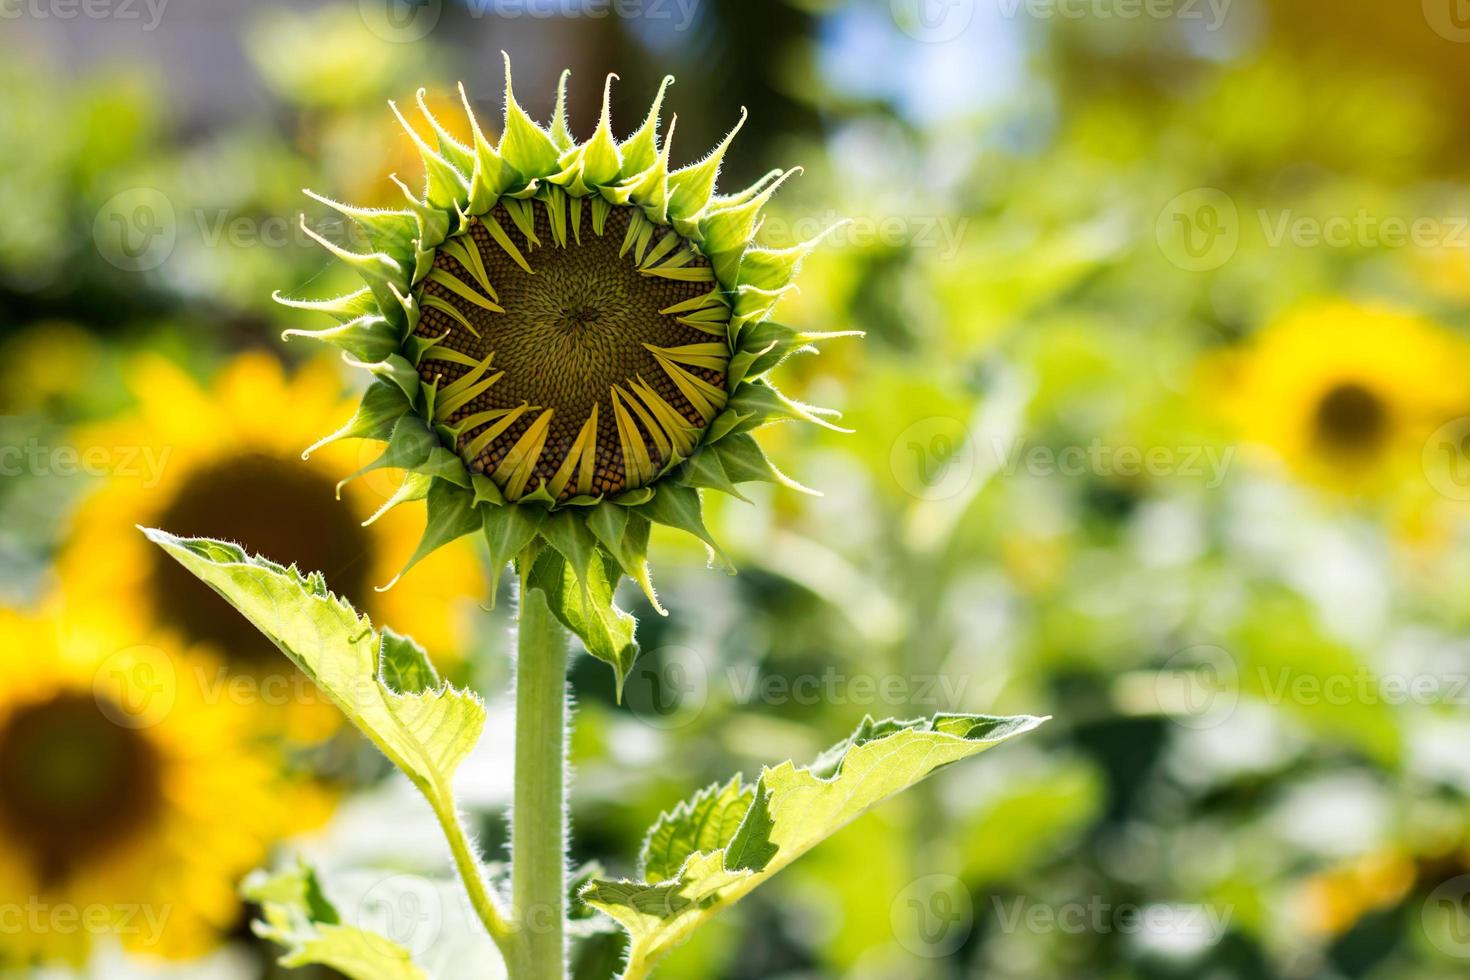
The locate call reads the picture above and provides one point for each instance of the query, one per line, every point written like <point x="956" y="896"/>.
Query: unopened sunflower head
<point x="570" y="340"/>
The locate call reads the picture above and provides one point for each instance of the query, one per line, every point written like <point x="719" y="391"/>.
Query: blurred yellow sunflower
<point x="131" y="802"/>
<point x="226" y="461"/>
<point x="1335" y="900"/>
<point x="1345" y="395"/>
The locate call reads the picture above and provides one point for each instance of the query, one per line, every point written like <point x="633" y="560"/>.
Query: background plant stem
<point x="539" y="825"/>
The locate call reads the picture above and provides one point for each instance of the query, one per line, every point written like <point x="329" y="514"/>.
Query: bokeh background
<point x="1162" y="428"/>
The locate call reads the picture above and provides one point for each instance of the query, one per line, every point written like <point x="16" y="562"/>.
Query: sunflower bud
<point x="570" y="340"/>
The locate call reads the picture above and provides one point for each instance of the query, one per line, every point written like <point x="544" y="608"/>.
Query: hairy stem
<point x="468" y="866"/>
<point x="539" y="828"/>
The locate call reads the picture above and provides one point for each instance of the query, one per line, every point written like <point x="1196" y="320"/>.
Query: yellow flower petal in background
<point x="1345" y="395"/>
<point x="224" y="460"/>
<point x="133" y="797"/>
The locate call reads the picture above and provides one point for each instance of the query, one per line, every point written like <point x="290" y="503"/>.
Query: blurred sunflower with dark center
<point x="131" y="800"/>
<point x="226" y="460"/>
<point x="1345" y="395"/>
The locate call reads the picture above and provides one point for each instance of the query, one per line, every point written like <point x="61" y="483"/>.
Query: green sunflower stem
<point x="539" y="821"/>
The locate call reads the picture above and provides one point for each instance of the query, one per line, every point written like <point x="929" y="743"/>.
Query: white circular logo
<point x="933" y="21"/>
<point x="1199" y="686"/>
<point x="401" y="21"/>
<point x="1446" y="459"/>
<point x="136" y="230"/>
<point x="1199" y="230"/>
<point x="137" y="687"/>
<point x="933" y="916"/>
<point x="1450" y="19"/>
<point x="668" y="688"/>
<point x="379" y="473"/>
<point x="405" y="910"/>
<point x="1446" y="917"/>
<point x="933" y="459"/>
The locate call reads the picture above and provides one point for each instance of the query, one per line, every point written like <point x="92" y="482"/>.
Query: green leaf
<point x="381" y="408"/>
<point x="452" y="515"/>
<point x="681" y="508"/>
<point x="384" y="683"/>
<point x="296" y="914"/>
<point x="582" y="600"/>
<point x="406" y="668"/>
<point x="700" y="858"/>
<point x="625" y="536"/>
<point x="701" y="824"/>
<point x="509" y="529"/>
<point x="742" y="460"/>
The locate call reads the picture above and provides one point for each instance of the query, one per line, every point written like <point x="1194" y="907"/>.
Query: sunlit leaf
<point x="710" y="852"/>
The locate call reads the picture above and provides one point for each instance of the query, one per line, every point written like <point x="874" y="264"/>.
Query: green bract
<point x="570" y="341"/>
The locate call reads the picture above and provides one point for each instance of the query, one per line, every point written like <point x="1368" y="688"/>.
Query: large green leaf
<point x="710" y="852"/>
<point x="296" y="914"/>
<point x="383" y="682"/>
